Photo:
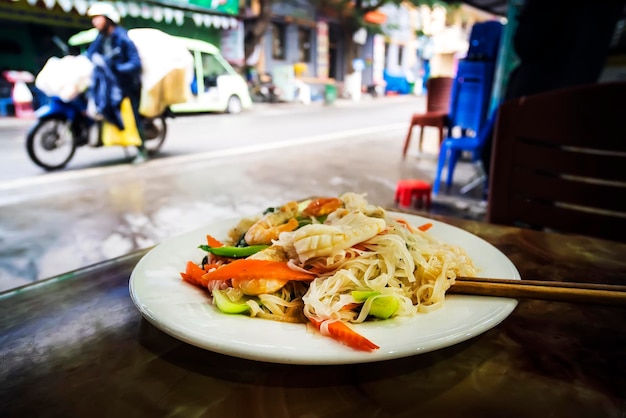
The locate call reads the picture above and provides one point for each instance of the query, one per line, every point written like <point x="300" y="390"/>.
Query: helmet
<point x="104" y="9"/>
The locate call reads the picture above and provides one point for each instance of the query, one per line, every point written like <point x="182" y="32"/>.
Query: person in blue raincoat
<point x="116" y="58"/>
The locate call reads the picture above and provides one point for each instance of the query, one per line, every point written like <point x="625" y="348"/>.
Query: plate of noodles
<point x="345" y="282"/>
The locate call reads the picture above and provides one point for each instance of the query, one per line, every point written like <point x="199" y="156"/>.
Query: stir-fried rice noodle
<point x="399" y="261"/>
<point x="285" y="305"/>
<point x="413" y="267"/>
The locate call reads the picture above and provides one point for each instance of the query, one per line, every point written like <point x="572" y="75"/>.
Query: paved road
<point x="206" y="136"/>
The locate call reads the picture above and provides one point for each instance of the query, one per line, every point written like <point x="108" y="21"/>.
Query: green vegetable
<point x="270" y="210"/>
<point x="363" y="295"/>
<point x="224" y="304"/>
<point x="233" y="252"/>
<point x="302" y="205"/>
<point x="382" y="307"/>
<point x="304" y="221"/>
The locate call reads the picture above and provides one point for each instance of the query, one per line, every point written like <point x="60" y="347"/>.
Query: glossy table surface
<point x="76" y="346"/>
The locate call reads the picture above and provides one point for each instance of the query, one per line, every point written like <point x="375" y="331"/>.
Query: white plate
<point x="184" y="311"/>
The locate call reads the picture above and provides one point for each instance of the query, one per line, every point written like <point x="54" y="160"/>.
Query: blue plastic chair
<point x="452" y="148"/>
<point x="468" y="112"/>
<point x="470" y="95"/>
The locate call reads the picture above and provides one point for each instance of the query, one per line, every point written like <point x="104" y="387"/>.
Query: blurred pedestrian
<point x="119" y="53"/>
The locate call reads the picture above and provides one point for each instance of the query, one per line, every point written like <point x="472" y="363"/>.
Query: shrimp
<point x="236" y="232"/>
<point x="271" y="225"/>
<point x="256" y="287"/>
<point x="319" y="240"/>
<point x="253" y="287"/>
<point x="322" y="206"/>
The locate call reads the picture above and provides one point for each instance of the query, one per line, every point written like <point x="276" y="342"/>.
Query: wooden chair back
<point x="559" y="162"/>
<point x="438" y="94"/>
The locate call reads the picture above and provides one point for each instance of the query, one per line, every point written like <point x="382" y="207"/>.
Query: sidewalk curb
<point x="14" y="122"/>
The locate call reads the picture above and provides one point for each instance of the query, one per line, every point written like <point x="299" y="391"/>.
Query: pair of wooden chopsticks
<point x="535" y="289"/>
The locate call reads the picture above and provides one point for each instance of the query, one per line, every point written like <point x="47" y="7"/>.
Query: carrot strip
<point x="344" y="334"/>
<point x="195" y="273"/>
<point x="425" y="227"/>
<point x="249" y="269"/>
<point x="350" y="306"/>
<point x="188" y="279"/>
<point x="212" y="242"/>
<point x="212" y="266"/>
<point x="405" y="224"/>
<point x="194" y="270"/>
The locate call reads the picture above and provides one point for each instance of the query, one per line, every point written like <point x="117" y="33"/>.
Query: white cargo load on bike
<point x="217" y="87"/>
<point x="167" y="68"/>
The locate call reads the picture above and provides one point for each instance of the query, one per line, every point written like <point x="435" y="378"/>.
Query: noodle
<point x="412" y="266"/>
<point x="372" y="253"/>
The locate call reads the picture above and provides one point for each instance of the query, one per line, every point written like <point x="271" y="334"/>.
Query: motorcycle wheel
<point x="50" y="143"/>
<point x="155" y="138"/>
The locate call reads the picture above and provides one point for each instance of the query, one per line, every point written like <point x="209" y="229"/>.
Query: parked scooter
<point x="62" y="127"/>
<point x="263" y="89"/>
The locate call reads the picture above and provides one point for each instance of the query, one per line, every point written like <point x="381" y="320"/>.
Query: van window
<point x="211" y="69"/>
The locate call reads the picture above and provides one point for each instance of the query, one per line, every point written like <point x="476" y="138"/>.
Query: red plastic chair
<point x="437" y="106"/>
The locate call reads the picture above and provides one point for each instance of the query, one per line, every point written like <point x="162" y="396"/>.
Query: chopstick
<point x="535" y="289"/>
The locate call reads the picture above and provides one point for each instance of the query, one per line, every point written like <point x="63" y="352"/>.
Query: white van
<point x="216" y="86"/>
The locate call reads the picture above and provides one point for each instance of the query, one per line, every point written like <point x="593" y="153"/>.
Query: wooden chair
<point x="437" y="104"/>
<point x="559" y="162"/>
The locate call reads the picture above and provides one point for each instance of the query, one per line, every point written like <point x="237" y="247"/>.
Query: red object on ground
<point x="411" y="190"/>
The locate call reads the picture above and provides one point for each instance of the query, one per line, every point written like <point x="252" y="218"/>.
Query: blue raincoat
<point x="116" y="76"/>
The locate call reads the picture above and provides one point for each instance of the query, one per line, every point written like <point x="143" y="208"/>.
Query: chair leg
<point x="440" y="135"/>
<point x="481" y="178"/>
<point x="443" y="155"/>
<point x="403" y="197"/>
<point x="419" y="146"/>
<point x="454" y="157"/>
<point x="407" y="140"/>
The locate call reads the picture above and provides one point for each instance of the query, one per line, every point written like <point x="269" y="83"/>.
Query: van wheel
<point x="234" y="105"/>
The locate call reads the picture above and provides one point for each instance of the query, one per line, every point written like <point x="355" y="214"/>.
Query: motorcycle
<point x="62" y="127"/>
<point x="264" y="90"/>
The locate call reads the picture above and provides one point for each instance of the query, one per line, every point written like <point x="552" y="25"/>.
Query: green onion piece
<point x="363" y="295"/>
<point x="224" y="304"/>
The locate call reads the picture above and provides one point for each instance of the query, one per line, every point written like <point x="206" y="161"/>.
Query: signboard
<point x="230" y="7"/>
<point x="232" y="45"/>
<point x="378" y="60"/>
<point x="284" y="78"/>
<point x="322" y="50"/>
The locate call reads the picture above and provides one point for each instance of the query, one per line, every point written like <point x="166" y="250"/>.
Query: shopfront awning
<point x="148" y="11"/>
